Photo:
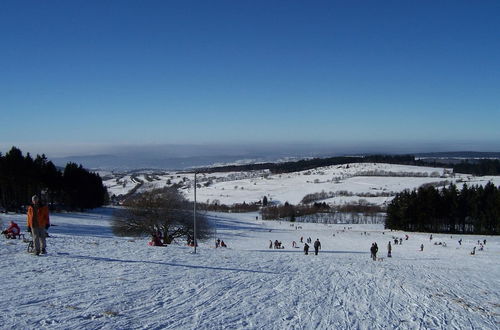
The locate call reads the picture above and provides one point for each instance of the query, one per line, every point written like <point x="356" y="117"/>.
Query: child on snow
<point x="12" y="231"/>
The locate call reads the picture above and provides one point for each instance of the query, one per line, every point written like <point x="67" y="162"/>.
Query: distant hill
<point x="471" y="165"/>
<point x="459" y="154"/>
<point x="133" y="161"/>
<point x="276" y="163"/>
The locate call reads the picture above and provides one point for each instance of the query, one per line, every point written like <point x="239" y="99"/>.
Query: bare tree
<point x="160" y="211"/>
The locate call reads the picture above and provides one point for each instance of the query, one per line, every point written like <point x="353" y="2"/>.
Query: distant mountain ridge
<point x="459" y="154"/>
<point x="279" y="162"/>
<point x="133" y="162"/>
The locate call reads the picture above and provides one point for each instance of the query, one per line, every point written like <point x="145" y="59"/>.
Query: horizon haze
<point x="180" y="157"/>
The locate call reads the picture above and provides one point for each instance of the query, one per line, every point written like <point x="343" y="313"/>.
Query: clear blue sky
<point x="85" y="73"/>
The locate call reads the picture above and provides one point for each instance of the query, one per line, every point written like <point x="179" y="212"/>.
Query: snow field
<point x="93" y="280"/>
<point x="238" y="187"/>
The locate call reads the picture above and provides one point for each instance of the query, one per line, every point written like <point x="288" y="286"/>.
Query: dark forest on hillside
<point x="471" y="210"/>
<point x="475" y="167"/>
<point x="21" y="177"/>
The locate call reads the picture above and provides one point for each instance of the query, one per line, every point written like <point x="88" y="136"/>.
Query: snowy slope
<point x="356" y="179"/>
<point x="93" y="280"/>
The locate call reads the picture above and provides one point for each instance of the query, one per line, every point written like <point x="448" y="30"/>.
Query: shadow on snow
<point x="166" y="264"/>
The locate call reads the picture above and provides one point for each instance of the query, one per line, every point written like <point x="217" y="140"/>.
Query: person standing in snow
<point x="421" y="247"/>
<point x="373" y="251"/>
<point x="317" y="246"/>
<point x="38" y="223"/>
<point x="389" y="250"/>
<point x="306" y="248"/>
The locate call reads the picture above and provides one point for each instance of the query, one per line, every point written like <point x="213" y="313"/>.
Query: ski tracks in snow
<point x="112" y="283"/>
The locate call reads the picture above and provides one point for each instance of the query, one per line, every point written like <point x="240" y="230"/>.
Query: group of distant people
<point x="316" y="245"/>
<point x="481" y="246"/>
<point x="279" y="245"/>
<point x="399" y="240"/>
<point x="308" y="240"/>
<point x="219" y="243"/>
<point x="276" y="244"/>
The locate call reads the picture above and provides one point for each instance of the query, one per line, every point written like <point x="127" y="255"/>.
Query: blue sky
<point x="79" y="75"/>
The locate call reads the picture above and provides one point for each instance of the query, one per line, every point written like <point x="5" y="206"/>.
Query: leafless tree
<point x="162" y="211"/>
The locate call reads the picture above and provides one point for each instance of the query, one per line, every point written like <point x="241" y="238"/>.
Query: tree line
<point x="308" y="164"/>
<point x="475" y="167"/>
<point x="471" y="210"/>
<point x="478" y="167"/>
<point x="292" y="212"/>
<point x="24" y="176"/>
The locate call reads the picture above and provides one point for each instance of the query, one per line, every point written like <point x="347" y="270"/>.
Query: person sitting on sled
<point x="12" y="231"/>
<point x="155" y="240"/>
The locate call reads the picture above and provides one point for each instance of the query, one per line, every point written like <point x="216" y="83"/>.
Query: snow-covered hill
<point x="93" y="280"/>
<point x="376" y="183"/>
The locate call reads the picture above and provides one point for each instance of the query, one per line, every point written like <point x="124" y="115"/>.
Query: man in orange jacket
<point x="38" y="223"/>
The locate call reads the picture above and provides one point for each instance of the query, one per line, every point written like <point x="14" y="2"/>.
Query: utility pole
<point x="194" y="216"/>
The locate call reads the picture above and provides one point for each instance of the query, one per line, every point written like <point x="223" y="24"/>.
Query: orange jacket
<point x="42" y="216"/>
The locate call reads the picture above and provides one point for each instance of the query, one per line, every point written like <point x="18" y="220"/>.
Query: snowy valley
<point x="374" y="182"/>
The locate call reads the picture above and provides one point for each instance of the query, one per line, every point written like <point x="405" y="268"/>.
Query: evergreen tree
<point x="22" y="176"/>
<point x="473" y="210"/>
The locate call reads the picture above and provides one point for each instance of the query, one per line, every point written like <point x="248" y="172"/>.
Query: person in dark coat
<point x="389" y="250"/>
<point x="306" y="248"/>
<point x="317" y="246"/>
<point x="373" y="251"/>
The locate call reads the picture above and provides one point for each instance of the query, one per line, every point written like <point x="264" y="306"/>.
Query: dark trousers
<point x="39" y="235"/>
